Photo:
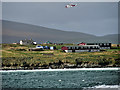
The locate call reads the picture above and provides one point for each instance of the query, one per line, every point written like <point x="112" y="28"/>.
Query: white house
<point x="27" y="42"/>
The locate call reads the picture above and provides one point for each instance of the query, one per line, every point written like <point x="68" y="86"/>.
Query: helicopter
<point x="70" y="5"/>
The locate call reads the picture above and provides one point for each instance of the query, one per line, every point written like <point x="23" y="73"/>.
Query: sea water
<point x="60" y="79"/>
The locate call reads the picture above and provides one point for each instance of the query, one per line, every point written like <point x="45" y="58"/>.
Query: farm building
<point x="102" y="45"/>
<point x="27" y="42"/>
<point x="82" y="48"/>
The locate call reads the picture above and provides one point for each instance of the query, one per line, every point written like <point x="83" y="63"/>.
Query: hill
<point x="14" y="31"/>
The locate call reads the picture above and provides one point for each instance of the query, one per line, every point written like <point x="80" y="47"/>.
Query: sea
<point x="82" y="79"/>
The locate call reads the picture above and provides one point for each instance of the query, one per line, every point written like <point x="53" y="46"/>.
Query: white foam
<point x="83" y="80"/>
<point x="76" y="69"/>
<point x="60" y="80"/>
<point x="107" y="86"/>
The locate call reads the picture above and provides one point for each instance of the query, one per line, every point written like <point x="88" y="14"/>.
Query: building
<point x="15" y="43"/>
<point x="82" y="43"/>
<point x="27" y="42"/>
<point x="82" y="48"/>
<point x="40" y="47"/>
<point x="48" y="42"/>
<point x="102" y="45"/>
<point x="43" y="47"/>
<point x="46" y="47"/>
<point x="52" y="48"/>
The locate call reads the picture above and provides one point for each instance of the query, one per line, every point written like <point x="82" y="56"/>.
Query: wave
<point x="107" y="86"/>
<point x="76" y="69"/>
<point x="101" y="87"/>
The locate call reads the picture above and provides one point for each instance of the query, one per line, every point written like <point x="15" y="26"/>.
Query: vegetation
<point x="18" y="57"/>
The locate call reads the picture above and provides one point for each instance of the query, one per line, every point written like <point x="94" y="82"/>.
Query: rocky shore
<point x="60" y="65"/>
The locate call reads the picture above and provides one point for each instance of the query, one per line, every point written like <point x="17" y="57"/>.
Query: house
<point x="82" y="48"/>
<point x="27" y="42"/>
<point x="102" y="45"/>
<point x="82" y="43"/>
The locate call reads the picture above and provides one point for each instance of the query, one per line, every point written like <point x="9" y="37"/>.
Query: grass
<point x="18" y="55"/>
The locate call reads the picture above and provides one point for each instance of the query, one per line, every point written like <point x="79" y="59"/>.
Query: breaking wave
<point x="103" y="87"/>
<point x="76" y="69"/>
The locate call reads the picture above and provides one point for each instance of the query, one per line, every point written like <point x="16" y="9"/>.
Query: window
<point x="75" y="47"/>
<point x="79" y="47"/>
<point x="68" y="48"/>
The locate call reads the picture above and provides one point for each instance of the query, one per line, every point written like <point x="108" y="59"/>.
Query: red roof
<point x="82" y="44"/>
<point x="64" y="48"/>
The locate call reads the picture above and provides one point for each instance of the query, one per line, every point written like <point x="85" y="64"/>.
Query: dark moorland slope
<point x="14" y="31"/>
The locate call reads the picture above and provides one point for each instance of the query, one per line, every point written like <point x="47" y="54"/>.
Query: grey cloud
<point x="90" y="17"/>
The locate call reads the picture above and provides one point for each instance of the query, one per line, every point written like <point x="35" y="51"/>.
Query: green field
<point x="19" y="56"/>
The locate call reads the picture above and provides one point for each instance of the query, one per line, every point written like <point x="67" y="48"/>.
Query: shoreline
<point x="68" y="69"/>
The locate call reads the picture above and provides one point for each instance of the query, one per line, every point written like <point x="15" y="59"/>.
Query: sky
<point x="97" y="18"/>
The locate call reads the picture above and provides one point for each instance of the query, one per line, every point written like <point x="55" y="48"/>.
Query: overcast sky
<point x="88" y="17"/>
